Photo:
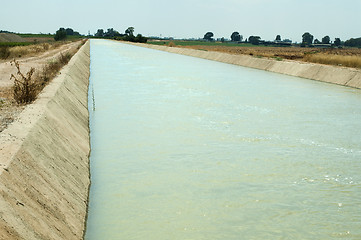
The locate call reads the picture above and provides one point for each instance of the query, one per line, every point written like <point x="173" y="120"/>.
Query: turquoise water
<point x="186" y="148"/>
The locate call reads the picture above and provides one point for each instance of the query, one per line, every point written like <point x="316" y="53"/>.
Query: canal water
<point x="186" y="148"/>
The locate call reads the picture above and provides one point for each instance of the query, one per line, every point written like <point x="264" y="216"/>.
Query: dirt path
<point x="28" y="62"/>
<point x="9" y="110"/>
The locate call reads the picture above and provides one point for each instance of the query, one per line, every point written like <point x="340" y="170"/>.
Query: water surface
<point x="186" y="148"/>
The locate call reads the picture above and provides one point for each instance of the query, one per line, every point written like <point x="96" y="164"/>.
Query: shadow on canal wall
<point x="331" y="74"/>
<point x="44" y="166"/>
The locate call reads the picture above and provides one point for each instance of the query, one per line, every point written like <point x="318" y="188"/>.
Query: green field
<point x="50" y="36"/>
<point x="29" y="35"/>
<point x="14" y="44"/>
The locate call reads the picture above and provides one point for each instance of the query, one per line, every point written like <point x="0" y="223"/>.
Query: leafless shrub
<point x="25" y="88"/>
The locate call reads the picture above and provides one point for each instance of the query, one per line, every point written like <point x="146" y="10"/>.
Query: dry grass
<point x="29" y="50"/>
<point x="28" y="86"/>
<point x="270" y="52"/>
<point x="348" y="57"/>
<point x="330" y="59"/>
<point x="51" y="69"/>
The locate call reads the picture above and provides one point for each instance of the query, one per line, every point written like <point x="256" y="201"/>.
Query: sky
<point x="188" y="18"/>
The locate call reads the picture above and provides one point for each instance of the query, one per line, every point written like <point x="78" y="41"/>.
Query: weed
<point x="64" y="58"/>
<point x="171" y="44"/>
<point x="81" y="43"/>
<point x="25" y="88"/>
<point x="277" y="58"/>
<point x="50" y="70"/>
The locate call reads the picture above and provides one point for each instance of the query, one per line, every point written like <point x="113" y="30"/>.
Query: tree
<point x="235" y="37"/>
<point x="307" y="38"/>
<point x="337" y="42"/>
<point x="278" y="38"/>
<point x="317" y="41"/>
<point x="254" y="40"/>
<point x="110" y="33"/>
<point x="100" y="33"/>
<point x="139" y="38"/>
<point x="326" y="40"/>
<point x="60" y="34"/>
<point x="208" y="36"/>
<point x="130" y="31"/>
<point x="69" y="31"/>
<point x="353" y="42"/>
<point x="222" y="39"/>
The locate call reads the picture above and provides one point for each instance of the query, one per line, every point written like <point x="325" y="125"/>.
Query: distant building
<point x="320" y="45"/>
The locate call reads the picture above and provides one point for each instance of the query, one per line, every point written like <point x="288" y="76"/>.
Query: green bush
<point x="60" y="34"/>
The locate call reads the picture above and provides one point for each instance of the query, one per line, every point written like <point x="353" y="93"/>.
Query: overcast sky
<point x="188" y="18"/>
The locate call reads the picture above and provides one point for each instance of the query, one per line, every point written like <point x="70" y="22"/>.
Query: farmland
<point x="347" y="57"/>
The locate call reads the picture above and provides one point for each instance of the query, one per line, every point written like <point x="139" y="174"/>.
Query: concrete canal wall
<point x="331" y="74"/>
<point x="44" y="166"/>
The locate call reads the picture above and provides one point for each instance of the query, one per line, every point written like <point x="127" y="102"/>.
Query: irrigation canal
<point x="186" y="148"/>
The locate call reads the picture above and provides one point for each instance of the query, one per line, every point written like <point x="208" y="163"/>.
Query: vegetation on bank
<point x="332" y="59"/>
<point x="347" y="57"/>
<point x="28" y="85"/>
<point x="31" y="44"/>
<point x="20" y="50"/>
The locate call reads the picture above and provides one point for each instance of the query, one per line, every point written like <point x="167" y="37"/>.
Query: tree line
<point x="307" y="40"/>
<point x="128" y="35"/>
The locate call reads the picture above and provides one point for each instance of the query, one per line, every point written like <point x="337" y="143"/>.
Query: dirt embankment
<point x="350" y="77"/>
<point x="44" y="166"/>
<point x="9" y="110"/>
